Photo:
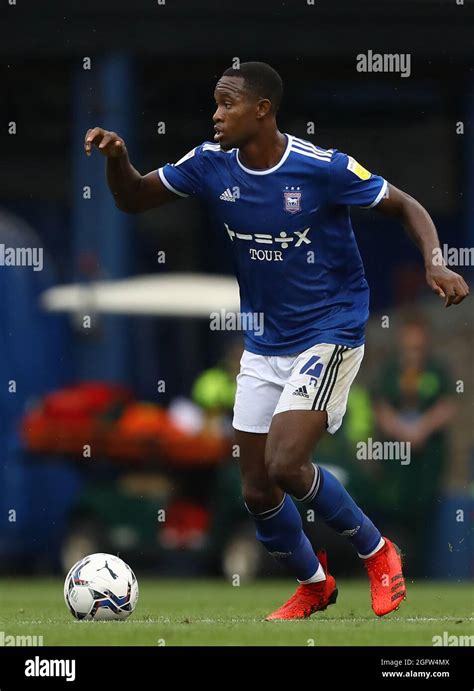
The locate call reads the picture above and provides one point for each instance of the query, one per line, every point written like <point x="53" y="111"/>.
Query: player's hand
<point x="447" y="284"/>
<point x="108" y="143"/>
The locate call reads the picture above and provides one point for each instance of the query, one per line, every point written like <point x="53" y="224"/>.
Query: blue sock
<point x="280" y="530"/>
<point x="330" y="501"/>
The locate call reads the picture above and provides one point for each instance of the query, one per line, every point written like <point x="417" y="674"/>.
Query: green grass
<point x="213" y="612"/>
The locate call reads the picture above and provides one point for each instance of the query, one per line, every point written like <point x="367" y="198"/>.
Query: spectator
<point x="413" y="403"/>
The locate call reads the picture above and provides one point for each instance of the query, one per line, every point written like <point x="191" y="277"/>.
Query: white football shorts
<point x="316" y="379"/>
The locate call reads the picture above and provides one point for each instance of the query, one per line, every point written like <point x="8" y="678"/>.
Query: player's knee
<point x="283" y="463"/>
<point x="258" y="499"/>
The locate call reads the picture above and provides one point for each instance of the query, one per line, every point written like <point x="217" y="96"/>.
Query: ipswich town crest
<point x="292" y="197"/>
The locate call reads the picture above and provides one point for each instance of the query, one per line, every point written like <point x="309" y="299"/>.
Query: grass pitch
<point x="213" y="612"/>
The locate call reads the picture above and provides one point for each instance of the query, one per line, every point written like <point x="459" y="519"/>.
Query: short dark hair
<point x="261" y="79"/>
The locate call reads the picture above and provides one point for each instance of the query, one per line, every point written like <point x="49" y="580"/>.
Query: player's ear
<point x="264" y="106"/>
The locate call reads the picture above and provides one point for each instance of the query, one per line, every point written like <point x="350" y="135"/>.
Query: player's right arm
<point x="132" y="192"/>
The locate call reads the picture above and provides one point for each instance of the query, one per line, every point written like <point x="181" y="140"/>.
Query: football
<point x="101" y="587"/>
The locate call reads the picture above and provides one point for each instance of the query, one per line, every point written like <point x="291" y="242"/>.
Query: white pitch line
<point x="256" y="620"/>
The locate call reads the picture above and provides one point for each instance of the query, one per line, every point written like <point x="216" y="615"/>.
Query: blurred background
<point x="116" y="394"/>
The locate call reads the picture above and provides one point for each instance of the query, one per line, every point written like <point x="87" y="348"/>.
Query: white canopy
<point x="177" y="295"/>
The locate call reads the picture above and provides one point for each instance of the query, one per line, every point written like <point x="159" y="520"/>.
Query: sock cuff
<point x="313" y="490"/>
<point x="269" y="513"/>
<point x="379" y="545"/>
<point x="317" y="577"/>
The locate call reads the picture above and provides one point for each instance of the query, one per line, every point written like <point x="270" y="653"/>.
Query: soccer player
<point x="283" y="204"/>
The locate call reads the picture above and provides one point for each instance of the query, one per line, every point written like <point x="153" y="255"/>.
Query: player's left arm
<point x="421" y="229"/>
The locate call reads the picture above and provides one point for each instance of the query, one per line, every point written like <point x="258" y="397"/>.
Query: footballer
<point x="284" y="205"/>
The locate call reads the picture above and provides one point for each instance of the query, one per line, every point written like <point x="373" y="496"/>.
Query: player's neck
<point x="264" y="152"/>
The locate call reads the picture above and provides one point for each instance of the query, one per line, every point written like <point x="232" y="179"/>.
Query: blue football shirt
<point x="297" y="262"/>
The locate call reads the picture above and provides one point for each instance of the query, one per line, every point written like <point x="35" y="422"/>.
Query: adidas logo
<point x="301" y="392"/>
<point x="227" y="196"/>
<point x="351" y="532"/>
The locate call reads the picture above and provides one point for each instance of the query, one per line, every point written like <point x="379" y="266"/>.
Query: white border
<point x="168" y="185"/>
<point x="266" y="171"/>
<point x="379" y="196"/>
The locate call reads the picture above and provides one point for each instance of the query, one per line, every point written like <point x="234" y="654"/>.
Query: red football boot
<point x="309" y="598"/>
<point x="387" y="586"/>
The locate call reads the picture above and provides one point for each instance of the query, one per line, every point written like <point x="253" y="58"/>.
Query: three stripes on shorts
<point x="329" y="379"/>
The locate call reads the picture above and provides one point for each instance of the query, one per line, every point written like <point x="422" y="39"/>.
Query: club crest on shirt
<point x="292" y="197"/>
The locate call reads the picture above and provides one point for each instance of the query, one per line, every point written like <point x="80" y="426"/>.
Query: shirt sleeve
<point x="351" y="184"/>
<point x="185" y="177"/>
